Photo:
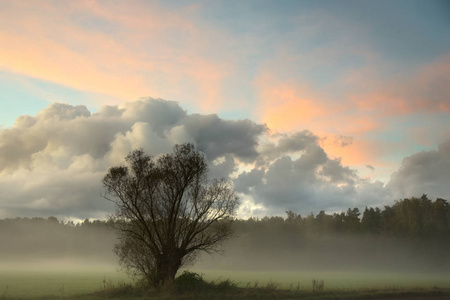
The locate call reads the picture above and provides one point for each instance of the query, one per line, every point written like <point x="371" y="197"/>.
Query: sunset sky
<point x="305" y="105"/>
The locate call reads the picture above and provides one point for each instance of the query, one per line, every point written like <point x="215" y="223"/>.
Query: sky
<point x="304" y="105"/>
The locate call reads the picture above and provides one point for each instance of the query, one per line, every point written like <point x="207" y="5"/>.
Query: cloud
<point x="294" y="172"/>
<point x="122" y="50"/>
<point x="126" y="50"/>
<point x="422" y="90"/>
<point x="370" y="167"/>
<point x="285" y="104"/>
<point x="52" y="163"/>
<point x="360" y="101"/>
<point x="342" y="140"/>
<point x="71" y="192"/>
<point x="283" y="143"/>
<point x="426" y="172"/>
<point x="216" y="136"/>
<point x="160" y="114"/>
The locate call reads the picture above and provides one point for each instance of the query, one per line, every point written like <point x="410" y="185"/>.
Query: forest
<point x="412" y="234"/>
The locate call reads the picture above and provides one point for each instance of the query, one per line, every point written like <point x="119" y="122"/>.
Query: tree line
<point x="37" y="238"/>
<point x="411" y="235"/>
<point x="415" y="218"/>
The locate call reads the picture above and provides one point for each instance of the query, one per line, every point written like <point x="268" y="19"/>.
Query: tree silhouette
<point x="167" y="211"/>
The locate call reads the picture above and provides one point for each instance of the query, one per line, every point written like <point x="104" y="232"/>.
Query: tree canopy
<point x="167" y="211"/>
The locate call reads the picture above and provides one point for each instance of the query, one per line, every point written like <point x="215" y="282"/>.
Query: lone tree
<point x="167" y="211"/>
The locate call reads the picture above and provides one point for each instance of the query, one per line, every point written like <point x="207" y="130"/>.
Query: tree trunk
<point x="166" y="270"/>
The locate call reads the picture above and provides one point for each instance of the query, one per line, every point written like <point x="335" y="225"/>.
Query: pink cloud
<point x="433" y="85"/>
<point x="289" y="106"/>
<point x="366" y="102"/>
<point x="136" y="49"/>
<point x="360" y="152"/>
<point x="425" y="90"/>
<point x="285" y="106"/>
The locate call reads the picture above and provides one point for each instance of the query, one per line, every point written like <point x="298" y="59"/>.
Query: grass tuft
<point x="317" y="285"/>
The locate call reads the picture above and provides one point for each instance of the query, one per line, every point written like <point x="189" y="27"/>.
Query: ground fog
<point x="47" y="257"/>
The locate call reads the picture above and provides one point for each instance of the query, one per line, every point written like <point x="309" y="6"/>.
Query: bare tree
<point x="167" y="211"/>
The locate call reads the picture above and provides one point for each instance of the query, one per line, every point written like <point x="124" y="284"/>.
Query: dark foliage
<point x="168" y="211"/>
<point x="190" y="281"/>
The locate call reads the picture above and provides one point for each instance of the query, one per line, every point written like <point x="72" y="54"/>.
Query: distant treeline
<point x="413" y="233"/>
<point x="29" y="239"/>
<point x="419" y="218"/>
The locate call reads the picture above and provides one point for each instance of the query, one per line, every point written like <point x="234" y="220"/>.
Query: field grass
<point x="332" y="279"/>
<point x="58" y="280"/>
<point x="67" y="281"/>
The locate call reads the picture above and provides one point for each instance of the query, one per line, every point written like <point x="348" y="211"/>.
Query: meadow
<point x="333" y="280"/>
<point x="38" y="280"/>
<point x="67" y="281"/>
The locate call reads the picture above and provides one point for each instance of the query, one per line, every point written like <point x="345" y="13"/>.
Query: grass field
<point x="41" y="280"/>
<point x="332" y="279"/>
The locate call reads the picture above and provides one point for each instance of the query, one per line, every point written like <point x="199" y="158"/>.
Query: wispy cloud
<point x="126" y="51"/>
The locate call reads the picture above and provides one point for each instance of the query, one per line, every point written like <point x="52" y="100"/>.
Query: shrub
<point x="190" y="281"/>
<point x="225" y="285"/>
